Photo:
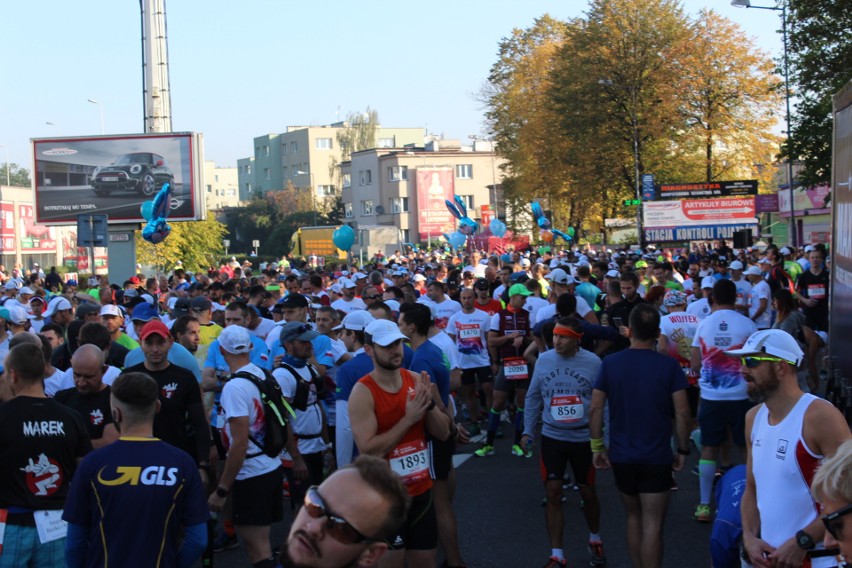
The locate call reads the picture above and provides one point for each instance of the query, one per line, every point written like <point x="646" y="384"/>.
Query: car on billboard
<point x="142" y="172"/>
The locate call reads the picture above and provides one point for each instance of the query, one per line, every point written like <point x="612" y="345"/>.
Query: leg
<point x="591" y="507"/>
<point x="442" y="492"/>
<point x="634" y="528"/>
<point x="488" y="389"/>
<point x="520" y="397"/>
<point x="256" y="538"/>
<point x="654" y="506"/>
<point x="553" y="515"/>
<point x="468" y="393"/>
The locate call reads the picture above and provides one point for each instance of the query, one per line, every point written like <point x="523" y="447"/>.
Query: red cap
<point x="154" y="327"/>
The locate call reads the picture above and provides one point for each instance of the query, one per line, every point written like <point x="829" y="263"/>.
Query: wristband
<point x="597" y="445"/>
<point x="683" y="452"/>
<point x="431" y="405"/>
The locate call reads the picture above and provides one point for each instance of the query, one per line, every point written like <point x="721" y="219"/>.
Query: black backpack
<point x="275" y="409"/>
<point x="303" y="387"/>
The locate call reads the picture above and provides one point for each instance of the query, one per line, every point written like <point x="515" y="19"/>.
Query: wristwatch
<point x="805" y="541"/>
<point x="683" y="452"/>
<point x="222" y="492"/>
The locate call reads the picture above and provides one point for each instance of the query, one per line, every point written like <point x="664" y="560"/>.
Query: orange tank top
<point x="410" y="459"/>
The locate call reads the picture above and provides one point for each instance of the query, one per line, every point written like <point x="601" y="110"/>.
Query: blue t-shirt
<point x="728" y="524"/>
<point x="350" y="373"/>
<point x="429" y="357"/>
<point x="322" y="351"/>
<point x="178" y="355"/>
<point x="259" y="355"/>
<point x="147" y="478"/>
<point x="639" y="384"/>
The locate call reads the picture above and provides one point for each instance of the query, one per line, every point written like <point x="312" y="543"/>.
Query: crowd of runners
<point x="155" y="399"/>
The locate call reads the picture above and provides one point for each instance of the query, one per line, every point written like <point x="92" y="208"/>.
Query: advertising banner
<point x="114" y="175"/>
<point x="696" y="233"/>
<point x="708" y="189"/>
<point x="487" y="213"/>
<point x="766" y="203"/>
<point x="35" y="238"/>
<point x="699" y="212"/>
<point x="7" y="227"/>
<point x="434" y="186"/>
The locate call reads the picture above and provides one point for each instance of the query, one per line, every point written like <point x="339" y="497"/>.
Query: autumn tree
<point x="197" y="244"/>
<point x="18" y="176"/>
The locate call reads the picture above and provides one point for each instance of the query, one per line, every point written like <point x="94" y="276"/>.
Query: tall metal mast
<point x="155" y="67"/>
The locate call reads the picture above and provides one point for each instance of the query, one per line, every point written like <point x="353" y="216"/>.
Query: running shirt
<point x="147" y="478"/>
<point x="350" y="306"/>
<point x="209" y="332"/>
<point x="441" y="312"/>
<point x="720" y="377"/>
<point x="430" y="358"/>
<point x="94" y="408"/>
<point x="533" y="304"/>
<point x="471" y="333"/>
<point x="761" y="291"/>
<point x="743" y="292"/>
<point x="307" y="425"/>
<point x="700" y="308"/>
<point x="679" y="329"/>
<point x="547" y="312"/>
<point x="491" y="307"/>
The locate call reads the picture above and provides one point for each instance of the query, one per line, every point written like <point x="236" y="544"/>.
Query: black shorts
<point x="636" y="478"/>
<point x="557" y="454"/>
<point x="441" y="455"/>
<point x="481" y="374"/>
<point x="504" y="385"/>
<point x="257" y="500"/>
<point x="314" y="463"/>
<point x="715" y="417"/>
<point x="692" y="395"/>
<point x="420" y="529"/>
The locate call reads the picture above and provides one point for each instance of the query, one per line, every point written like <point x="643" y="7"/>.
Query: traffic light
<point x="629" y="202"/>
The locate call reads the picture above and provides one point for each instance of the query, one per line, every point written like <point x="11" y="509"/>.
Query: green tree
<point x="820" y="58"/>
<point x="18" y="176"/>
<point x="197" y="244"/>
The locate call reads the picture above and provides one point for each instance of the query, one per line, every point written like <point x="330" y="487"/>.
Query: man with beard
<point x="787" y="436"/>
<point x="348" y="520"/>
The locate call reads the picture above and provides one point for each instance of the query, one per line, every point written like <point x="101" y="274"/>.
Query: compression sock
<point x="493" y="424"/>
<point x="706" y="473"/>
<point x="519" y="424"/>
<point x="557" y="553"/>
<point x="228" y="525"/>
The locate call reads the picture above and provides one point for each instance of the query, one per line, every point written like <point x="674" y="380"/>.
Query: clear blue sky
<point x="243" y="69"/>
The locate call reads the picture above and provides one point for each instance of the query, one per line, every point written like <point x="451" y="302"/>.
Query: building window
<point x="387" y="142"/>
<point x="267" y="174"/>
<point x="323" y="144"/>
<point x="325" y="190"/>
<point x="266" y="151"/>
<point x="248" y="169"/>
<point x="294" y="147"/>
<point x="293" y="169"/>
<point x="231" y="192"/>
<point x="347" y="210"/>
<point x="209" y="188"/>
<point x="248" y="188"/>
<point x="366" y="177"/>
<point x="367" y="207"/>
<point x="464" y="171"/>
<point x="468" y="202"/>
<point x="397" y="173"/>
<point x="406" y="235"/>
<point x="347" y="180"/>
<point x="399" y="204"/>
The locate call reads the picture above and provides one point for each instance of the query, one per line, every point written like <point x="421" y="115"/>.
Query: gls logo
<point x="152" y="475"/>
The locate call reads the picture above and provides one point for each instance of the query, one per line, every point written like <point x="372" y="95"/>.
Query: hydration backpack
<point x="275" y="409"/>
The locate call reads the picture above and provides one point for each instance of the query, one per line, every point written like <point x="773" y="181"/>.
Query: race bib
<point x="816" y="292"/>
<point x="567" y="408"/>
<point x="515" y="369"/>
<point x="469" y="331"/>
<point x="410" y="461"/>
<point x="50" y="525"/>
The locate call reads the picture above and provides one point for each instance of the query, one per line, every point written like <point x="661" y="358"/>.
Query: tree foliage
<point x="197" y="244"/>
<point x="820" y="58"/>
<point x="18" y="176"/>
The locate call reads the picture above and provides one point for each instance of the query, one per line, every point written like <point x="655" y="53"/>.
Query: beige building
<point x="380" y="191"/>
<point x="221" y="187"/>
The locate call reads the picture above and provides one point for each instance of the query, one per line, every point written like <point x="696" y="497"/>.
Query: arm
<point x="194" y="543"/>
<point x="198" y="420"/>
<point x="76" y="545"/>
<point x="362" y="417"/>
<point x="495" y="340"/>
<point x="600" y="458"/>
<point x="439" y="421"/>
<point x="813" y="343"/>
<point x="663" y="344"/>
<point x="532" y="405"/>
<point x="532" y="351"/>
<point x="110" y="435"/>
<point x="683" y="417"/>
<point x="757" y="549"/>
<point x="761" y="308"/>
<point x="239" y="426"/>
<point x="209" y="381"/>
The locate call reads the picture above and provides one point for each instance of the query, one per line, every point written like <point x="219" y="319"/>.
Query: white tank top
<point x="783" y="468"/>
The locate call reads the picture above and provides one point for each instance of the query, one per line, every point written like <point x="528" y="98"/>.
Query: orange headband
<point x="567" y="332"/>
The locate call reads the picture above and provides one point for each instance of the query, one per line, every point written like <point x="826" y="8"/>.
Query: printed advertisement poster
<point x="434" y="186"/>
<point x="35" y="238"/>
<point x="7" y="227"/>
<point x="700" y="212"/>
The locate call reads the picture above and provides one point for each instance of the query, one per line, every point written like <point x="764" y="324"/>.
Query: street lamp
<point x="53" y="124"/>
<point x="313" y="192"/>
<point x="101" y="107"/>
<point x="793" y="233"/>
<point x="8" y="172"/>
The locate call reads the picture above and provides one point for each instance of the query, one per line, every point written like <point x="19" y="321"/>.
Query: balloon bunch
<point x="548" y="234"/>
<point x="467" y="226"/>
<point x="343" y="237"/>
<point x="155" y="212"/>
<point x="498" y="227"/>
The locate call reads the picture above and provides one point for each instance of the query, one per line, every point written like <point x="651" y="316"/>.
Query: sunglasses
<point x="373" y="297"/>
<point x="337" y="527"/>
<point x="752" y="362"/>
<point x="833" y="522"/>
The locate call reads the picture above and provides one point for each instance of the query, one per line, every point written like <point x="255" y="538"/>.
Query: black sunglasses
<point x="373" y="297"/>
<point x="833" y="522"/>
<point x="337" y="527"/>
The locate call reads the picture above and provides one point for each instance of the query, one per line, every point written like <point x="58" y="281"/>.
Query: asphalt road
<point x="501" y="519"/>
<point x="67" y="203"/>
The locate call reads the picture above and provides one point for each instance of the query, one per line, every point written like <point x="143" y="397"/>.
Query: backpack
<point x="303" y="387"/>
<point x="275" y="409"/>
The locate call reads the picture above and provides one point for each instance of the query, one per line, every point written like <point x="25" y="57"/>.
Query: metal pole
<point x="640" y="232"/>
<point x="793" y="236"/>
<point x="314" y="198"/>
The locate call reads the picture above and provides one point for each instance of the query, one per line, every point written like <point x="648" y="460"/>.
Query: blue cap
<point x="144" y="312"/>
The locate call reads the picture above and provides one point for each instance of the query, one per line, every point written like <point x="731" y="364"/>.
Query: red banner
<point x="7" y="227"/>
<point x="434" y="186"/>
<point x="35" y="238"/>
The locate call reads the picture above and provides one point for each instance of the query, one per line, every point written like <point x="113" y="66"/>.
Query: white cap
<point x="419" y="278"/>
<point x="336" y="288"/>
<point x="559" y="276"/>
<point x="170" y="303"/>
<point x="345" y="283"/>
<point x="235" y="339"/>
<point x="359" y="276"/>
<point x="383" y="332"/>
<point x="111" y="310"/>
<point x="736" y="265"/>
<point x="26" y="290"/>
<point x="356" y="321"/>
<point x="810" y="248"/>
<point x="150" y="299"/>
<point x="613" y="274"/>
<point x="708" y="282"/>
<point x="785" y="251"/>
<point x="57" y="304"/>
<point x="525" y="262"/>
<point x="17" y="315"/>
<point x="764" y="260"/>
<point x="752" y="271"/>
<point x="11" y="285"/>
<point x="776" y="342"/>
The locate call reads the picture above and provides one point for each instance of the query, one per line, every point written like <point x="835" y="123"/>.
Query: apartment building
<point x="220" y="187"/>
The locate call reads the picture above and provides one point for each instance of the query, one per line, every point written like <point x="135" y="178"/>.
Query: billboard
<point x="700" y="212"/>
<point x="696" y="233"/>
<point x="434" y="186"/>
<point x="708" y="189"/>
<point x="34" y="237"/>
<point x="114" y="175"/>
<point x="7" y="227"/>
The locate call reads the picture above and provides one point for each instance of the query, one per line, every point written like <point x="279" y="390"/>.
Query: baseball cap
<point x="559" y="276"/>
<point x="708" y="282"/>
<point x="359" y="276"/>
<point x="57" y="304"/>
<point x="613" y="274"/>
<point x="296" y="331"/>
<point x="111" y="310"/>
<point x="145" y="312"/>
<point x="181" y="307"/>
<point x="86" y="309"/>
<point x="234" y="339"/>
<point x="525" y="262"/>
<point x="419" y="278"/>
<point x="356" y="321"/>
<point x="641" y="264"/>
<point x="346" y="283"/>
<point x="752" y="271"/>
<point x="14" y="314"/>
<point x="764" y="260"/>
<point x="11" y="285"/>
<point x="71" y="282"/>
<point x="336" y="288"/>
<point x="383" y="332"/>
<point x="810" y="248"/>
<point x="154" y="327"/>
<point x="293" y="301"/>
<point x="674" y="298"/>
<point x="736" y="265"/>
<point x="200" y="304"/>
<point x="36" y="299"/>
<point x="519" y="289"/>
<point x="481" y="284"/>
<point x="776" y="342"/>
<point x="26" y="290"/>
<point x="785" y="251"/>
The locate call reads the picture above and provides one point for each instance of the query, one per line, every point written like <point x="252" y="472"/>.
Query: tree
<point x="18" y="176"/>
<point x="820" y="59"/>
<point x="358" y="134"/>
<point x="197" y="244"/>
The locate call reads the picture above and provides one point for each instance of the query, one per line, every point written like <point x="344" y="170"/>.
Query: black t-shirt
<point x="813" y="286"/>
<point x="94" y="408"/>
<point x="179" y="392"/>
<point x="622" y="310"/>
<point x="40" y="441"/>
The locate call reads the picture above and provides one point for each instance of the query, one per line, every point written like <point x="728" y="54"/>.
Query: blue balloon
<point x="156" y="230"/>
<point x="505" y="257"/>
<point x="162" y="202"/>
<point x="457" y="239"/>
<point x="147" y="210"/>
<point x="343" y="237"/>
<point x="498" y="227"/>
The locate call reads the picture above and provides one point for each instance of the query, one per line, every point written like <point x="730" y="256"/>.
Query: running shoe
<point x="485" y="450"/>
<point x="674" y="486"/>
<point x="518" y="451"/>
<point x="474" y="429"/>
<point x="702" y="514"/>
<point x="556" y="563"/>
<point x="225" y="542"/>
<point x="596" y="554"/>
<point x="528" y="453"/>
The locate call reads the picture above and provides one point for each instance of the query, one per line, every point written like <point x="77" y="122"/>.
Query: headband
<point x="567" y="332"/>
